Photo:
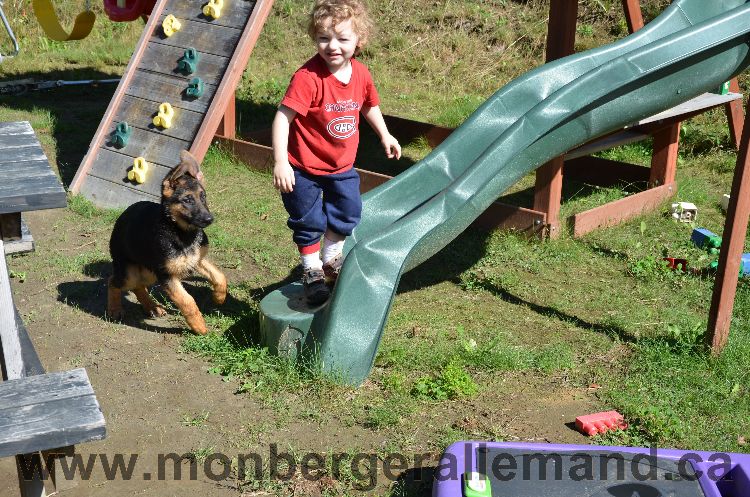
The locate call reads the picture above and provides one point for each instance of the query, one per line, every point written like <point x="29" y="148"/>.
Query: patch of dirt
<point x="158" y="401"/>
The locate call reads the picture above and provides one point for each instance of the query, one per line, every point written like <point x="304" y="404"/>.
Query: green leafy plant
<point x="453" y="382"/>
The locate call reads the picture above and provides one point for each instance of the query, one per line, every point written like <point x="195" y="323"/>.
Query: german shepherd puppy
<point x="164" y="243"/>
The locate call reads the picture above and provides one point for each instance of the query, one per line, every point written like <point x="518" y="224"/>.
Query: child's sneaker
<point x="314" y="284"/>
<point x="332" y="268"/>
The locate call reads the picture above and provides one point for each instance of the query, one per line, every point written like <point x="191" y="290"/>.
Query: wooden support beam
<point x="561" y="37"/>
<point x="548" y="193"/>
<point x="732" y="242"/>
<point x="604" y="172"/>
<point x="664" y="157"/>
<point x="735" y="115"/>
<point x="258" y="157"/>
<point x="633" y="14"/>
<point x="228" y="125"/>
<point x="503" y="216"/>
<point x="620" y="210"/>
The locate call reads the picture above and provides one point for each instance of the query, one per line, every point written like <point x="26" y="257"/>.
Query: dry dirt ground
<point x="159" y="400"/>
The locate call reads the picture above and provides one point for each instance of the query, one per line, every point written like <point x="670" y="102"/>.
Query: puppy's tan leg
<point x="186" y="304"/>
<point x="114" y="301"/>
<point x="151" y="307"/>
<point x="216" y="277"/>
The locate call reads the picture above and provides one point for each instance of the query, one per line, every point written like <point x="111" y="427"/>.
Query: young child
<point x="315" y="139"/>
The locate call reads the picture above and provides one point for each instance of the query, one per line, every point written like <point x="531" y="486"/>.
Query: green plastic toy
<point x="692" y="47"/>
<point x="195" y="88"/>
<point x="121" y="135"/>
<point x="188" y="62"/>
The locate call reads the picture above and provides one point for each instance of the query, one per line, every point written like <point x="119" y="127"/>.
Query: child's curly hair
<point x="337" y="11"/>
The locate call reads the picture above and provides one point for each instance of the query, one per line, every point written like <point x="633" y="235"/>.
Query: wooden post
<point x="735" y="115"/>
<point x="733" y="239"/>
<point x="228" y="125"/>
<point x="664" y="157"/>
<point x="561" y="37"/>
<point x="633" y="15"/>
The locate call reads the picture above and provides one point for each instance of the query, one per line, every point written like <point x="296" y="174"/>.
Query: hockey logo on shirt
<point x="342" y="127"/>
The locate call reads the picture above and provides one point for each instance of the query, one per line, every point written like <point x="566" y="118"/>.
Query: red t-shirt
<point x="324" y="135"/>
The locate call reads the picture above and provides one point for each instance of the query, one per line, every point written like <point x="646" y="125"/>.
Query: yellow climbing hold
<point x="213" y="8"/>
<point x="165" y="115"/>
<point x="139" y="170"/>
<point x="45" y="14"/>
<point x="170" y="25"/>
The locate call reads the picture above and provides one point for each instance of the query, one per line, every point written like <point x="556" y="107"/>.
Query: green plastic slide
<point x="692" y="47"/>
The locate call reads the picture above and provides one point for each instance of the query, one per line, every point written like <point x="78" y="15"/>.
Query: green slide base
<point x="286" y="320"/>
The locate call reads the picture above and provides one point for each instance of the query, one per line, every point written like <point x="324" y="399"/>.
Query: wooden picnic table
<point x="27" y="183"/>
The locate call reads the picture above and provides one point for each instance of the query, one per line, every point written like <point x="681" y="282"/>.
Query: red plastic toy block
<point x="591" y="424"/>
<point x="675" y="263"/>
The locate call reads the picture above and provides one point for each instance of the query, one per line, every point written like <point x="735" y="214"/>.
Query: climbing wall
<point x="172" y="97"/>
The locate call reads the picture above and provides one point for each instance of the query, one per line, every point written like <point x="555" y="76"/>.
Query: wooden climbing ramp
<point x="175" y="90"/>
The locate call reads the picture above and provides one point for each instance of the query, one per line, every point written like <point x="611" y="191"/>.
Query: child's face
<point x="337" y="44"/>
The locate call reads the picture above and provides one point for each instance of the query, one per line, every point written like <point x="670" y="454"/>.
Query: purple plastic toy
<point x="552" y="470"/>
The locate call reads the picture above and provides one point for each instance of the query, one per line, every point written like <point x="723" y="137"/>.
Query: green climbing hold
<point x="195" y="88"/>
<point x="188" y="62"/>
<point x="121" y="135"/>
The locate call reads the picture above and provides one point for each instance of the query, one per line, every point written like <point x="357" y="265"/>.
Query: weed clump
<point x="452" y="383"/>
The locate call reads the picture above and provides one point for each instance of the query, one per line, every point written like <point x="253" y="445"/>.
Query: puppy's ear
<point x="188" y="165"/>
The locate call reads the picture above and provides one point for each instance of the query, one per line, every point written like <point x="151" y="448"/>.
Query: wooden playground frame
<point x="543" y="218"/>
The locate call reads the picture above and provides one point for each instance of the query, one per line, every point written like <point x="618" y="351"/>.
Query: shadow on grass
<point x="75" y="112"/>
<point x="415" y="482"/>
<point x="448" y="264"/>
<point x="551" y="312"/>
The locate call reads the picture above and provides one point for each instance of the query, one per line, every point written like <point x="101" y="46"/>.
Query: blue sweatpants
<point x="320" y="202"/>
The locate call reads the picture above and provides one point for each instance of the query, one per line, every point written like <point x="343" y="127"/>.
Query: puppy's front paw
<point x="220" y="296"/>
<point x="197" y="324"/>
<point x="157" y="311"/>
<point x="115" y="314"/>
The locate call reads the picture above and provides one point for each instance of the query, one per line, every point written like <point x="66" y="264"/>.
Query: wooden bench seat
<point x="47" y="413"/>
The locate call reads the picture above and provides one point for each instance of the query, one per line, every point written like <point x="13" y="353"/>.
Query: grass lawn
<point x="490" y="314"/>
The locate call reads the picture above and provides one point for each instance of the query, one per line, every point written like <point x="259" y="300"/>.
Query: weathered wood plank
<point x="15" y="174"/>
<point x="149" y="85"/>
<point x="12" y="357"/>
<point x="163" y="59"/>
<point x="51" y="424"/>
<point x="21" y="187"/>
<point x="16" y="394"/>
<point x="24" y="153"/>
<point x="111" y="195"/>
<point x="140" y="113"/>
<point x="155" y="147"/>
<point x="234" y="14"/>
<point x="113" y="171"/>
<point x="16" y="128"/>
<point x="51" y="199"/>
<point x="18" y="140"/>
<point x="24" y="165"/>
<point x="206" y="38"/>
